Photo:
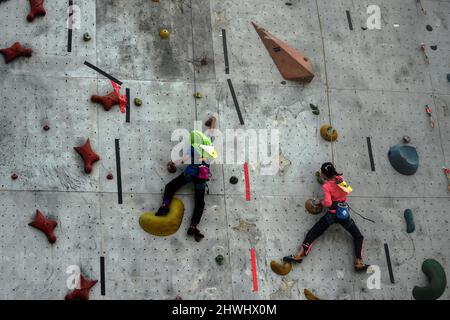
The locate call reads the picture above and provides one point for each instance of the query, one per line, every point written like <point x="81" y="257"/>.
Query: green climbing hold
<point x="219" y="259"/>
<point x="437" y="281"/>
<point x="137" y="102"/>
<point x="410" y="225"/>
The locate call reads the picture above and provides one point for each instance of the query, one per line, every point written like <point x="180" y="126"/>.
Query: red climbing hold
<point x="15" y="51"/>
<point x="88" y="155"/>
<point x="37" y="9"/>
<point x="108" y="101"/>
<point x="110" y="176"/>
<point x="82" y="293"/>
<point x="46" y="225"/>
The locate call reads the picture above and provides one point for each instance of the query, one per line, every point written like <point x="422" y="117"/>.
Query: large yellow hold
<point x="163" y="225"/>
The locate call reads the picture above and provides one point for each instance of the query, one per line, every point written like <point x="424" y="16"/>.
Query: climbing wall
<point x="368" y="84"/>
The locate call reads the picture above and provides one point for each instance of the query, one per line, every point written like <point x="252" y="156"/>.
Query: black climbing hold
<point x="448" y="77"/>
<point x="437" y="281"/>
<point x="288" y="4"/>
<point x="234" y="180"/>
<point x="429" y="28"/>
<point x="433" y="47"/>
<point x="87" y="37"/>
<point x="410" y="225"/>
<point x="406" y="139"/>
<point x="14" y="176"/>
<point x="219" y="259"/>
<point x="46" y="127"/>
<point x="364" y="28"/>
<point x="404" y="159"/>
<point x="283" y="82"/>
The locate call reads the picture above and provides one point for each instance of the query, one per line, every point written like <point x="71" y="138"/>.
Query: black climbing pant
<point x="327" y="220"/>
<point x="199" y="186"/>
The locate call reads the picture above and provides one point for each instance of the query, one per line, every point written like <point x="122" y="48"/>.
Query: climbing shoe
<point x="162" y="211"/>
<point x="363" y="268"/>
<point x="291" y="259"/>
<point x="196" y="233"/>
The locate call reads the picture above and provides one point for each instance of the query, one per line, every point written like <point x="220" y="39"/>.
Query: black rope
<point x="361" y="215"/>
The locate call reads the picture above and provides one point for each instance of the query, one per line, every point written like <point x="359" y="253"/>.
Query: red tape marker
<point x="255" y="275"/>
<point x="122" y="99"/>
<point x="247" y="182"/>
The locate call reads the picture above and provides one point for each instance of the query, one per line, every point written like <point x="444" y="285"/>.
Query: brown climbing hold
<point x="290" y="62"/>
<point x="37" y="9"/>
<point x="211" y="123"/>
<point x="312" y="208"/>
<point x="108" y="101"/>
<point x="171" y="167"/>
<point x="280" y="269"/>
<point x="15" y="51"/>
<point x="88" y="155"/>
<point x="46" y="225"/>
<point x="46" y="127"/>
<point x="14" y="176"/>
<point x="309" y="295"/>
<point x="82" y="293"/>
<point x="328" y="133"/>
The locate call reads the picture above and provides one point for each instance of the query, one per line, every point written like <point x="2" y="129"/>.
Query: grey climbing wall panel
<point x="368" y="84"/>
<point x="48" y="39"/>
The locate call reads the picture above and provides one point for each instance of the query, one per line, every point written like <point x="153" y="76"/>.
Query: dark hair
<point x="329" y="170"/>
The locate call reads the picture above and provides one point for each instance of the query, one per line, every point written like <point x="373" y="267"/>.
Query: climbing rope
<point x="361" y="215"/>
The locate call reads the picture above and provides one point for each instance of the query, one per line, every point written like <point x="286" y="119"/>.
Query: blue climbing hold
<point x="404" y="159"/>
<point x="410" y="225"/>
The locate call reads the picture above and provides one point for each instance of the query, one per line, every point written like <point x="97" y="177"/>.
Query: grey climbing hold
<point x="219" y="259"/>
<point x="406" y="139"/>
<point x="437" y="281"/>
<point x="404" y="159"/>
<point x="410" y="225"/>
<point x="87" y="37"/>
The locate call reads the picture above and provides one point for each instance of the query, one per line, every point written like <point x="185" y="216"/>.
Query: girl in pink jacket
<point x="335" y="199"/>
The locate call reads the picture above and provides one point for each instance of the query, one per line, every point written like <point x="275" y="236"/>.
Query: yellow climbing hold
<point x="280" y="269"/>
<point x="309" y="295"/>
<point x="328" y="133"/>
<point x="163" y="225"/>
<point x="164" y="33"/>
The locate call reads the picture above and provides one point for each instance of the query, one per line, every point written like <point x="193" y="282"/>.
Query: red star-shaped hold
<point x="37" y="9"/>
<point x="84" y="289"/>
<point x="15" y="51"/>
<point x="47" y="226"/>
<point x="108" y="101"/>
<point x="88" y="155"/>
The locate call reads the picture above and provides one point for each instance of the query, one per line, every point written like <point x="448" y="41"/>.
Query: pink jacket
<point x="332" y="192"/>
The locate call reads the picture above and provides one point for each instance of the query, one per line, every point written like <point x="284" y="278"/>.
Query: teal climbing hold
<point x="410" y="225"/>
<point x="437" y="281"/>
<point x="404" y="159"/>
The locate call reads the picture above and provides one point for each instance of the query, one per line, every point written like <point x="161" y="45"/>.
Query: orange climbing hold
<point x="108" y="101"/>
<point x="46" y="225"/>
<point x="82" y="292"/>
<point x="290" y="62"/>
<point x="88" y="155"/>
